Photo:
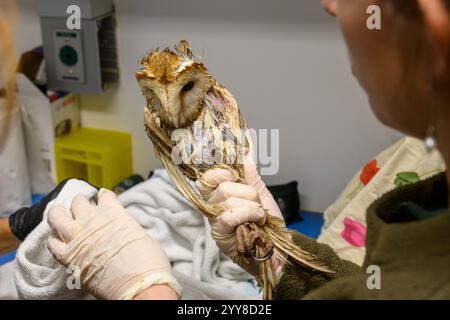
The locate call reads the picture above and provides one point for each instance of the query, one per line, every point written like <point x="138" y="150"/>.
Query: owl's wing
<point x="222" y="112"/>
<point x="233" y="115"/>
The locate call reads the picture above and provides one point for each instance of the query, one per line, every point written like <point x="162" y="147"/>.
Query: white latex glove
<point x="240" y="203"/>
<point x="115" y="256"/>
<point x="252" y="178"/>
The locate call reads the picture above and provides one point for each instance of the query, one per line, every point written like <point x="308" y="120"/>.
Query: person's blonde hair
<point x="7" y="69"/>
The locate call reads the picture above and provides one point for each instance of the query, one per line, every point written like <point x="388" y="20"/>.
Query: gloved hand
<point x="115" y="256"/>
<point x="24" y="220"/>
<point x="252" y="178"/>
<point x="240" y="203"/>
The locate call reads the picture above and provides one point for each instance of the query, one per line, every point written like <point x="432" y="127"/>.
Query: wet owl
<point x="180" y="93"/>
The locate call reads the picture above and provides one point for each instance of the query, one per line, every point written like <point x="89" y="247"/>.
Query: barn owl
<point x="180" y="93"/>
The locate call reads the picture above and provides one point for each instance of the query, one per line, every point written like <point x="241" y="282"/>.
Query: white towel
<point x="7" y="286"/>
<point x="37" y="274"/>
<point x="163" y="212"/>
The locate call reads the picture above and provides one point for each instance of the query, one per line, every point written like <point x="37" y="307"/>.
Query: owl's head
<point x="174" y="84"/>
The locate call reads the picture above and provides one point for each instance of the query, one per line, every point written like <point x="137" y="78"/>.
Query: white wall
<point x="284" y="61"/>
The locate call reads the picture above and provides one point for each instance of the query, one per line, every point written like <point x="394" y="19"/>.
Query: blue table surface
<point x="310" y="226"/>
<point x="7" y="257"/>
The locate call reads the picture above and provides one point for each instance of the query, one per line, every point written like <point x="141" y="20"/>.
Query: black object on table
<point x="128" y="183"/>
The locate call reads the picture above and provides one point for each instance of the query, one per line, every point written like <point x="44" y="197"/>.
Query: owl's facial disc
<point x="177" y="104"/>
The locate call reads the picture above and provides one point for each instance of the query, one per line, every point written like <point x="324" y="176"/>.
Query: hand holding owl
<point x="241" y="203"/>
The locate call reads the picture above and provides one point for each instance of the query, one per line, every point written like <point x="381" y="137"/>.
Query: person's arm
<point x="8" y="241"/>
<point x="157" y="292"/>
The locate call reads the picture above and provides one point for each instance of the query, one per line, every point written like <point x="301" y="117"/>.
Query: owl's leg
<point x="261" y="245"/>
<point x="253" y="244"/>
<point x="242" y="239"/>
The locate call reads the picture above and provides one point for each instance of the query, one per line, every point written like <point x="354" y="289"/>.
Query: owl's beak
<point x="165" y="102"/>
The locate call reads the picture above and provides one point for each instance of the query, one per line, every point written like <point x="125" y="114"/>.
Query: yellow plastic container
<point x="103" y="158"/>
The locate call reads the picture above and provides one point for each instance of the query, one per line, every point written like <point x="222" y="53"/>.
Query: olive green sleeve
<point x="297" y="281"/>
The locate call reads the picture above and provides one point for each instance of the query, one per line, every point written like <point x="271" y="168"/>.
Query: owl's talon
<point x="249" y="243"/>
<point x="262" y="241"/>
